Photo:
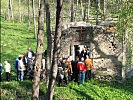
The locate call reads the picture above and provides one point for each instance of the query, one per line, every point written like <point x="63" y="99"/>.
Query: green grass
<point x="15" y="40"/>
<point x="96" y="90"/>
<point x="91" y="90"/>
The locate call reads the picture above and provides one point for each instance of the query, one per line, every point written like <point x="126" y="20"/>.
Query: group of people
<point x="24" y="65"/>
<point x="77" y="70"/>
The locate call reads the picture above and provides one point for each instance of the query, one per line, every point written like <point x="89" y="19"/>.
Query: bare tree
<point x="72" y="10"/>
<point x="24" y="11"/>
<point x="28" y="15"/>
<point x="10" y="11"/>
<point x="98" y="10"/>
<point x="88" y="12"/>
<point x="105" y="9"/>
<point x="49" y="42"/>
<point x="56" y="52"/>
<point x="84" y="14"/>
<point x="34" y="18"/>
<point x="77" y="3"/>
<point x="82" y="8"/>
<point x="40" y="45"/>
<point x="19" y="10"/>
<point x="39" y="4"/>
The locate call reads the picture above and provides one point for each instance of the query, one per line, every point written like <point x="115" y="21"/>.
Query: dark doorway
<point x="79" y="49"/>
<point x="76" y="49"/>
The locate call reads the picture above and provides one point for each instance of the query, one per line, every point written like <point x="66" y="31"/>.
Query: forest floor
<point x="90" y="90"/>
<point x="15" y="40"/>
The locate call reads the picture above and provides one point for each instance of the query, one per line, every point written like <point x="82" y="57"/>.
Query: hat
<point x="29" y="49"/>
<point x="5" y="62"/>
<point x="20" y="56"/>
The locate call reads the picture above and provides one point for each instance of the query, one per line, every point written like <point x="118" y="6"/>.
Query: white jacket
<point x="7" y="67"/>
<point x="21" y="66"/>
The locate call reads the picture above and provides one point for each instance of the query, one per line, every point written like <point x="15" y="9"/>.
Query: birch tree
<point x="88" y="12"/>
<point x="10" y="11"/>
<point x="34" y="18"/>
<point x="49" y="42"/>
<point x="105" y="9"/>
<point x="72" y="10"/>
<point x="19" y="10"/>
<point x="28" y="15"/>
<point x="56" y="52"/>
<point x="40" y="45"/>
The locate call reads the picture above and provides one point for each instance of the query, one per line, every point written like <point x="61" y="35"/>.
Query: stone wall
<point x="107" y="55"/>
<point x="106" y="51"/>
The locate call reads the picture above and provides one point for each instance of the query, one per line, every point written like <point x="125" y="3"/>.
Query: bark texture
<point x="19" y="10"/>
<point x="40" y="45"/>
<point x="49" y="42"/>
<point x="10" y="12"/>
<point x="56" y="52"/>
<point x="28" y="15"/>
<point x="34" y="18"/>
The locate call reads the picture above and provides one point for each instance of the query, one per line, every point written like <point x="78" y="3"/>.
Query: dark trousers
<point x="60" y="81"/>
<point x="17" y="75"/>
<point x="88" y="74"/>
<point x="0" y="77"/>
<point x="75" y="77"/>
<point x="7" y="76"/>
<point x="66" y="78"/>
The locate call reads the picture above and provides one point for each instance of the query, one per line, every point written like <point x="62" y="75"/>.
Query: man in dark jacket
<point x="16" y="67"/>
<point x="75" y="69"/>
<point x="0" y="72"/>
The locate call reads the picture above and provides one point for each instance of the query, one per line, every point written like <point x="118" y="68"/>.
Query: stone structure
<point x="106" y="51"/>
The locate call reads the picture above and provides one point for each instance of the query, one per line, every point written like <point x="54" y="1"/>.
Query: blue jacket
<point x="16" y="63"/>
<point x="0" y="68"/>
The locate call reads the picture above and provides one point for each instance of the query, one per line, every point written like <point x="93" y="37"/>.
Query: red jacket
<point x="81" y="66"/>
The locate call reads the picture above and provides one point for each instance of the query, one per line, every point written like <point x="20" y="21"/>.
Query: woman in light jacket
<point x="7" y="67"/>
<point x="21" y="67"/>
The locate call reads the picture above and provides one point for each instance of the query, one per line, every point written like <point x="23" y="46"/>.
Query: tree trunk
<point x="88" y="12"/>
<point x="72" y="10"/>
<point x="84" y="17"/>
<point x="28" y="15"/>
<point x="99" y="4"/>
<point x="56" y="52"/>
<point x="23" y="11"/>
<point x="49" y="42"/>
<point x="105" y="9"/>
<point x="97" y="13"/>
<point x="10" y="12"/>
<point x="82" y="9"/>
<point x="19" y="10"/>
<point x="77" y="3"/>
<point x="38" y="4"/>
<point x="34" y="18"/>
<point x="40" y="45"/>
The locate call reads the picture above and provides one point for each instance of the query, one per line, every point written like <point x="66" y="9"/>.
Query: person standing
<point x="21" y="67"/>
<point x="82" y="69"/>
<point x="0" y="72"/>
<point x="7" y="67"/>
<point x="88" y="63"/>
<point x="70" y="72"/>
<point x="65" y="69"/>
<point x="16" y="67"/>
<point x="30" y="54"/>
<point x="75" y="69"/>
<point x="87" y="53"/>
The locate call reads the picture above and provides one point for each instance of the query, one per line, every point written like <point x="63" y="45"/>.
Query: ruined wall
<point x="106" y="50"/>
<point x="107" y="55"/>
